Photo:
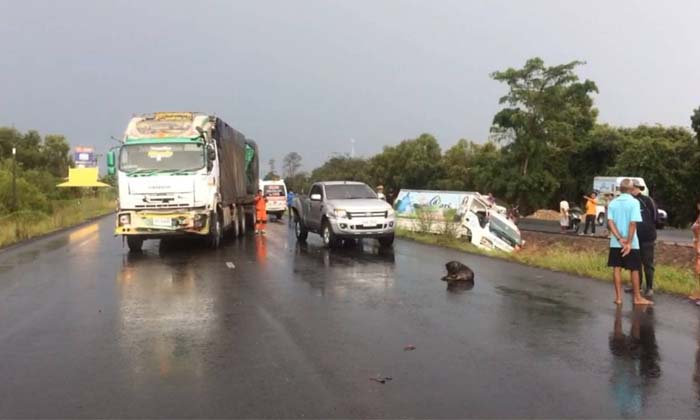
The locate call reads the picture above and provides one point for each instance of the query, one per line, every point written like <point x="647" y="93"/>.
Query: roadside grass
<point x="27" y="224"/>
<point x="668" y="278"/>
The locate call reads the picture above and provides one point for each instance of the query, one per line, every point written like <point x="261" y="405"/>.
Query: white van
<point x="276" y="193"/>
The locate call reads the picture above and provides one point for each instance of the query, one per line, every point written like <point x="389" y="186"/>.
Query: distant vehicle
<point x="341" y="210"/>
<point x="183" y="173"/>
<point x="609" y="186"/>
<point x="485" y="225"/>
<point x="276" y="193"/>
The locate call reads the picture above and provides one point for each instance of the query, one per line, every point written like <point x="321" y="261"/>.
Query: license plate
<point x="162" y="222"/>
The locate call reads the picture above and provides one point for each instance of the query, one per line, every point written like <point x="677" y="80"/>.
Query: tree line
<point x="41" y="164"/>
<point x="545" y="145"/>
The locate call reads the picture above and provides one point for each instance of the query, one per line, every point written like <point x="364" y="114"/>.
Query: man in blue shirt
<point x="624" y="213"/>
<point x="290" y="202"/>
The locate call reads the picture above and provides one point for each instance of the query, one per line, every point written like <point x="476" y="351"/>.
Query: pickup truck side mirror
<point x="315" y="197"/>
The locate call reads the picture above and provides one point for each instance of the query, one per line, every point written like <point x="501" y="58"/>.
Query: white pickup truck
<point x="343" y="210"/>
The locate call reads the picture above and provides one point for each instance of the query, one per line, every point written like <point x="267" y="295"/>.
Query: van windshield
<point x="349" y="192"/>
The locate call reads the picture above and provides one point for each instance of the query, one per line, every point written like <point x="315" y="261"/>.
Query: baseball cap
<point x="637" y="184"/>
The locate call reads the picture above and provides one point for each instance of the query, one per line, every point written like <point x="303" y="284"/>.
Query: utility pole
<point x="14" y="179"/>
<point x="352" y="148"/>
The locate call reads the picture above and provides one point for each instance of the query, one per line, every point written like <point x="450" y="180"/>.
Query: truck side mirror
<point x="315" y="197"/>
<point x="211" y="157"/>
<point x="110" y="163"/>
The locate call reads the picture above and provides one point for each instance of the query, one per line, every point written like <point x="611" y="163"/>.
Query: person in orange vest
<point x="260" y="213"/>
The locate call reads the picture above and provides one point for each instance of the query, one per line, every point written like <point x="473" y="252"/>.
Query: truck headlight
<point x="340" y="213"/>
<point x="124" y="219"/>
<point x="390" y="213"/>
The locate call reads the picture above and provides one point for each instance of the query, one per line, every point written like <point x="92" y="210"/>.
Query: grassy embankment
<point x="26" y="224"/>
<point x="670" y="279"/>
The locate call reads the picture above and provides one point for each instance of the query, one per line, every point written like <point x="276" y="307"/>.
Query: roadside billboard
<point x="84" y="157"/>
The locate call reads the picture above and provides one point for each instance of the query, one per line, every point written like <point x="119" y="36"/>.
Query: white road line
<point x="230" y="265"/>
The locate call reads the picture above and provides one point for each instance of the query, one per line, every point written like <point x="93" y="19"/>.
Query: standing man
<point x="564" y="215"/>
<point x="646" y="232"/>
<point x="380" y="192"/>
<point x="624" y="213"/>
<point x="260" y="213"/>
<point x="290" y="203"/>
<point x="591" y="210"/>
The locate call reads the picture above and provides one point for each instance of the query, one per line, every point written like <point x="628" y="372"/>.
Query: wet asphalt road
<point x="667" y="235"/>
<point x="87" y="330"/>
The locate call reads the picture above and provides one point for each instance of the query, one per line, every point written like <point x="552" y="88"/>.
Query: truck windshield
<point x="349" y="192"/>
<point x="161" y="157"/>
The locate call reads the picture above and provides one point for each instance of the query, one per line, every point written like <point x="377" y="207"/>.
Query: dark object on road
<point x="458" y="272"/>
<point x="380" y="379"/>
<point x="459" y="286"/>
<point x="409" y="347"/>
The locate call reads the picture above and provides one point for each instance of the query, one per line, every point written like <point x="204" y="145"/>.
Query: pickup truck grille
<point x="361" y="214"/>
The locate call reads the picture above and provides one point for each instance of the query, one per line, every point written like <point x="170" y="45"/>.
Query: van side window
<point x="316" y="189"/>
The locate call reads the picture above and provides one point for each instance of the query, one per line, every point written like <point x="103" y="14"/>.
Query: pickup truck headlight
<point x="340" y="213"/>
<point x="390" y="213"/>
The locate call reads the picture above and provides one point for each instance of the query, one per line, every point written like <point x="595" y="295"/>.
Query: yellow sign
<point x="173" y="116"/>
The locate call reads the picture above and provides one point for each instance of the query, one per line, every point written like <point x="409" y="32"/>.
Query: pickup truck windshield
<point x="161" y="157"/>
<point x="349" y="192"/>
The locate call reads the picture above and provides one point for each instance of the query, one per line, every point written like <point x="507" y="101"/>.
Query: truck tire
<point x="387" y="241"/>
<point x="135" y="243"/>
<point x="215" y="233"/>
<point x="300" y="230"/>
<point x="242" y="223"/>
<point x="328" y="236"/>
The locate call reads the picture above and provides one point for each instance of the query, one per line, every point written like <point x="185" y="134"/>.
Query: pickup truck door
<point x="316" y="209"/>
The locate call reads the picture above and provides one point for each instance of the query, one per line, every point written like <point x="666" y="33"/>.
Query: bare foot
<point x="618" y="302"/>
<point x="642" y="301"/>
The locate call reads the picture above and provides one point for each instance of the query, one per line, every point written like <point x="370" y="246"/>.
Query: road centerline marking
<point x="230" y="265"/>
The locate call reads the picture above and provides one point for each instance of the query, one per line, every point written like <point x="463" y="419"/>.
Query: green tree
<point x="55" y="155"/>
<point x="547" y="111"/>
<point x="342" y="168"/>
<point x="695" y="123"/>
<point x="411" y="164"/>
<point x="291" y="164"/>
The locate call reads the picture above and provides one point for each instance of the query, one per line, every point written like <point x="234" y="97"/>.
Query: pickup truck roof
<point x="340" y="183"/>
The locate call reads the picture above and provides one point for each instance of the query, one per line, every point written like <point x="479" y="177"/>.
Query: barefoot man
<point x="624" y="213"/>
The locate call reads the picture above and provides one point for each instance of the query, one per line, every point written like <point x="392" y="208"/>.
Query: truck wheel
<point x="329" y="239"/>
<point x="242" y="222"/>
<point x="386" y="241"/>
<point x="214" y="237"/>
<point x="300" y="230"/>
<point x="135" y="243"/>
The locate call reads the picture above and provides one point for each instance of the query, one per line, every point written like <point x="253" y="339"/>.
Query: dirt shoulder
<point x="674" y="255"/>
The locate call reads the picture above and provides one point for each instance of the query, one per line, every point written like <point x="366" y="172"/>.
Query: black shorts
<point x="633" y="260"/>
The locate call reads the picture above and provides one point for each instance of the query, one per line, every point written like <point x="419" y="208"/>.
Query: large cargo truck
<point x="183" y="174"/>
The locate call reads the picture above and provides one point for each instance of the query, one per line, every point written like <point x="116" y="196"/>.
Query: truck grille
<point x="361" y="214"/>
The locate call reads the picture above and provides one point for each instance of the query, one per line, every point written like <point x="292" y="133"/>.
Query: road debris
<point x="380" y="379"/>
<point x="409" y="347"/>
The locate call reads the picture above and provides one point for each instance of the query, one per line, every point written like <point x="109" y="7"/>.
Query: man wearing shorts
<point x="624" y="213"/>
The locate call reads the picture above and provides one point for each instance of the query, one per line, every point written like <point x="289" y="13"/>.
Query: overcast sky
<point x="308" y="76"/>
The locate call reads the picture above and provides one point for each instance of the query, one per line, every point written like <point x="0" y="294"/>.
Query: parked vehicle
<point x="342" y="210"/>
<point x="183" y="173"/>
<point x="608" y="187"/>
<point x="468" y="215"/>
<point x="575" y="218"/>
<point x="276" y="193"/>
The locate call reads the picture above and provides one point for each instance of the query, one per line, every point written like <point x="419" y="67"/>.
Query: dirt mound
<point x="544" y="214"/>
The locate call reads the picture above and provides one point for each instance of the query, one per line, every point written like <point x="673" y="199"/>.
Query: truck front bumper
<point x="161" y="224"/>
<point x="362" y="228"/>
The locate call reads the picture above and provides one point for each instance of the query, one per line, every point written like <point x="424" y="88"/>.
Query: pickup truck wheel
<point x="215" y="232"/>
<point x="135" y="243"/>
<point x="329" y="239"/>
<point x="300" y="230"/>
<point x="386" y="241"/>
